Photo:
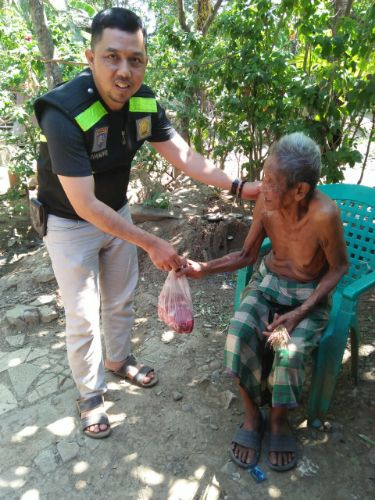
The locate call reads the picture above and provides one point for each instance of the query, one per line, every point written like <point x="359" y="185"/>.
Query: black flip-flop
<point x="282" y="443"/>
<point x="249" y="439"/>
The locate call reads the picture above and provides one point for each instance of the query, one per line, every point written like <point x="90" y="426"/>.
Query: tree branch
<point x="181" y="15"/>
<point x="211" y="17"/>
<point x="62" y="61"/>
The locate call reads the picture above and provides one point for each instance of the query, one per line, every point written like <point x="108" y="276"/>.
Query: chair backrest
<point x="357" y="206"/>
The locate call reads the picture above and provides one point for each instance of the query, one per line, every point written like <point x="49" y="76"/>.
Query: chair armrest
<point x="266" y="246"/>
<point x="244" y="274"/>
<point x="359" y="286"/>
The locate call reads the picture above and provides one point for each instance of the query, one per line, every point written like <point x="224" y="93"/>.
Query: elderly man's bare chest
<point x="296" y="241"/>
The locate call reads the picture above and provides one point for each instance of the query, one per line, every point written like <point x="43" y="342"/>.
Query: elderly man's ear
<point x="302" y="189"/>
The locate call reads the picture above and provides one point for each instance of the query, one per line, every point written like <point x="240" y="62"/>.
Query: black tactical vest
<point x="111" y="144"/>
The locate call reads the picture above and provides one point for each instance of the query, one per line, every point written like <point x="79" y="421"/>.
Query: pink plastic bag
<point x="175" y="306"/>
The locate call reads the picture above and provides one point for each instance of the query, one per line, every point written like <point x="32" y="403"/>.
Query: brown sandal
<point x="95" y="419"/>
<point x="142" y="373"/>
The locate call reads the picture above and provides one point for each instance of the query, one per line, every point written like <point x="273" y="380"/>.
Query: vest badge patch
<point x="100" y="139"/>
<point x="143" y="128"/>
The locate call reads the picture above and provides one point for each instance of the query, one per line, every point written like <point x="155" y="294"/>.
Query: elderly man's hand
<point x="289" y="320"/>
<point x="192" y="269"/>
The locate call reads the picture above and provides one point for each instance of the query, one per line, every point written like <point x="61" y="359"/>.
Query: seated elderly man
<point x="291" y="288"/>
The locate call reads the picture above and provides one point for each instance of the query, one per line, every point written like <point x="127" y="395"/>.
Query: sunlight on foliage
<point x="259" y="70"/>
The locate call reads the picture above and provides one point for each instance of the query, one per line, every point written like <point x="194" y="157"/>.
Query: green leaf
<point x="83" y="6"/>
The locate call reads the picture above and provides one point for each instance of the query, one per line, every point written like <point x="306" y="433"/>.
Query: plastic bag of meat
<point x="175" y="306"/>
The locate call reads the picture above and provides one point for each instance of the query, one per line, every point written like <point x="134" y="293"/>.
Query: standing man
<point x="94" y="125"/>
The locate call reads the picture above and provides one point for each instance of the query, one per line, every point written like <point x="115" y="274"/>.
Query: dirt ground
<point x="171" y="441"/>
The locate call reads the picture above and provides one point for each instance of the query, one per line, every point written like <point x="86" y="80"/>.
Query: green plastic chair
<point x="357" y="213"/>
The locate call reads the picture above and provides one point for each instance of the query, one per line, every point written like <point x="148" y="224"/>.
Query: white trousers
<point x="97" y="275"/>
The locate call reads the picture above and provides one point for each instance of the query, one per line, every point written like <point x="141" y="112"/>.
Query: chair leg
<point x="328" y="359"/>
<point x="315" y="390"/>
<point x="354" y="347"/>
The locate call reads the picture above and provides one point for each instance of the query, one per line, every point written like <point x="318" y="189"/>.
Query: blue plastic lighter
<point x="257" y="474"/>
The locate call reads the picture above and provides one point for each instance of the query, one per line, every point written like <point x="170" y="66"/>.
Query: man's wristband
<point x="235" y="184"/>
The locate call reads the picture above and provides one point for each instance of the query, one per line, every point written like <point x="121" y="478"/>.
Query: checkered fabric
<point x="246" y="354"/>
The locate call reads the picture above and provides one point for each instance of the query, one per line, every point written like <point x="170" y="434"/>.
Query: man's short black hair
<point x="116" y="17"/>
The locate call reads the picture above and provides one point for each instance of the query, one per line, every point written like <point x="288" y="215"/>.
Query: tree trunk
<point x="205" y="14"/>
<point x="185" y="122"/>
<point x="45" y="42"/>
<point x="204" y="8"/>
<point x="342" y="8"/>
<point x="211" y="17"/>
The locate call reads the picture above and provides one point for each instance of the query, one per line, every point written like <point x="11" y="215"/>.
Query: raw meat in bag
<point x="175" y="306"/>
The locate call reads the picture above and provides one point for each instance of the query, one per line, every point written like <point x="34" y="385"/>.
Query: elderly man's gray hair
<point x="298" y="158"/>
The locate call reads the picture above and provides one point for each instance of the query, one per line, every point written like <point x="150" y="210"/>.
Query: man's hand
<point x="192" y="269"/>
<point x="289" y="320"/>
<point x="250" y="190"/>
<point x="164" y="256"/>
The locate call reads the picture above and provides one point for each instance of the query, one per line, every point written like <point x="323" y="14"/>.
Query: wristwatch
<point x="239" y="195"/>
<point x="235" y="184"/>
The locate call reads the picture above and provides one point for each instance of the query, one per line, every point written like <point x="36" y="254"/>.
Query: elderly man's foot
<point x="246" y="442"/>
<point x="282" y="449"/>
<point x="134" y="372"/>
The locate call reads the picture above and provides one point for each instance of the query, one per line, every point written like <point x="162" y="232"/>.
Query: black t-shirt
<point x="69" y="157"/>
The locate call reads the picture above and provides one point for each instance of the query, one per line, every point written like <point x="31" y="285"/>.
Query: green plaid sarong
<point x="245" y="350"/>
